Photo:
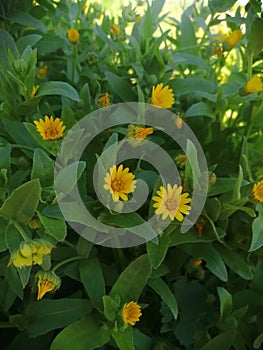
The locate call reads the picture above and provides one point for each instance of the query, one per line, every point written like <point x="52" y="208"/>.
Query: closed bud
<point x="92" y="58"/>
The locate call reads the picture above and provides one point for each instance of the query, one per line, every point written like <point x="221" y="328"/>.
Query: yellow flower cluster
<point x="73" y="35"/>
<point x="30" y="253"/>
<point x="258" y="192"/>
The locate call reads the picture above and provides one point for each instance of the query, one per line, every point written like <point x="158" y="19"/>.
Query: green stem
<point x="249" y="65"/>
<point x="69" y="244"/>
<point x="64" y="262"/>
<point x="250" y="120"/>
<point x="7" y="325"/>
<point x="74" y="57"/>
<point x="20" y="230"/>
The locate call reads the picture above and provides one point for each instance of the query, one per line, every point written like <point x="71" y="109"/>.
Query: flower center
<point x="260" y="191"/>
<point x="117" y="185"/>
<point x="171" y="204"/>
<point x="51" y="133"/>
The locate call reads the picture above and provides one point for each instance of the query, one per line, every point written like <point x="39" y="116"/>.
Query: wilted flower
<point x="116" y="30"/>
<point x="104" y="100"/>
<point x="136" y="134"/>
<point x="43" y="71"/>
<point x="47" y="281"/>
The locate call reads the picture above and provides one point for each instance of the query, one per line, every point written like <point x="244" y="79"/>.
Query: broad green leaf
<point x="43" y="168"/>
<point x="212" y="208"/>
<point x="24" y="275"/>
<point x="6" y="43"/>
<point x="50" y="43"/>
<point x="22" y="341"/>
<point x="235" y="261"/>
<point x="55" y="227"/>
<point x="200" y="109"/>
<point x="93" y="281"/>
<point x="84" y="247"/>
<point x="255" y="40"/>
<point x="67" y="178"/>
<point x="58" y="88"/>
<point x="85" y="334"/>
<point x="225" y="302"/>
<point x="124" y="339"/>
<point x="210" y="255"/>
<point x="26" y="40"/>
<point x="24" y="18"/>
<point x="162" y="289"/>
<point x="223" y="185"/>
<point x="142" y="341"/>
<point x="157" y="252"/>
<point x="5" y="157"/>
<point x="187" y="37"/>
<point x="220" y="6"/>
<point x="14" y="282"/>
<point x="121" y="86"/>
<point x="12" y="237"/>
<point x="194" y="310"/>
<point x="22" y="203"/>
<point x="194" y="87"/>
<point x="111" y="307"/>
<point x="147" y="23"/>
<point x="47" y="314"/>
<point x="257" y="236"/>
<point x="132" y="280"/>
<point x="221" y="341"/>
<point x="187" y="59"/>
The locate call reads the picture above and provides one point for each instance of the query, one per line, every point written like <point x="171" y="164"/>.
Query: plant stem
<point x="249" y="65"/>
<point x="73" y="258"/>
<point x="20" y="230"/>
<point x="7" y="325"/>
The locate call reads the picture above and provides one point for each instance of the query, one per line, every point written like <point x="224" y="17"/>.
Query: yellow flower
<point x="43" y="71"/>
<point x="116" y="30"/>
<point x="119" y="182"/>
<point x="73" y="35"/>
<point x="84" y="7"/>
<point x="48" y="281"/>
<point x="34" y="91"/>
<point x="171" y="202"/>
<point x="131" y="313"/>
<point x="232" y="39"/>
<point x="258" y="191"/>
<point x="50" y="129"/>
<point x="162" y="96"/>
<point x="253" y="85"/>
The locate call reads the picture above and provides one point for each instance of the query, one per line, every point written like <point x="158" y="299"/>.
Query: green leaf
<point x="81" y="335"/>
<point x="212" y="208"/>
<point x="157" y="252"/>
<point x="161" y="288"/>
<point x="200" y="109"/>
<point x="111" y="307"/>
<point x="55" y="227"/>
<point x="235" y="261"/>
<point x="5" y="157"/>
<point x="132" y="280"/>
<point x="26" y="40"/>
<point x="43" y="168"/>
<point x="185" y="58"/>
<point x="50" y="43"/>
<point x="147" y="24"/>
<point x="225" y="302"/>
<point x="124" y="339"/>
<point x="121" y="86"/>
<point x="222" y="341"/>
<point x="255" y="40"/>
<point x="24" y="18"/>
<point x="257" y="236"/>
<point x="194" y="87"/>
<point x="6" y="43"/>
<point x="187" y="37"/>
<point x="67" y="178"/>
<point x="14" y="282"/>
<point x="46" y="315"/>
<point x="221" y="6"/>
<point x="208" y="253"/>
<point x="93" y="281"/>
<point x="58" y="88"/>
<point x="22" y="203"/>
